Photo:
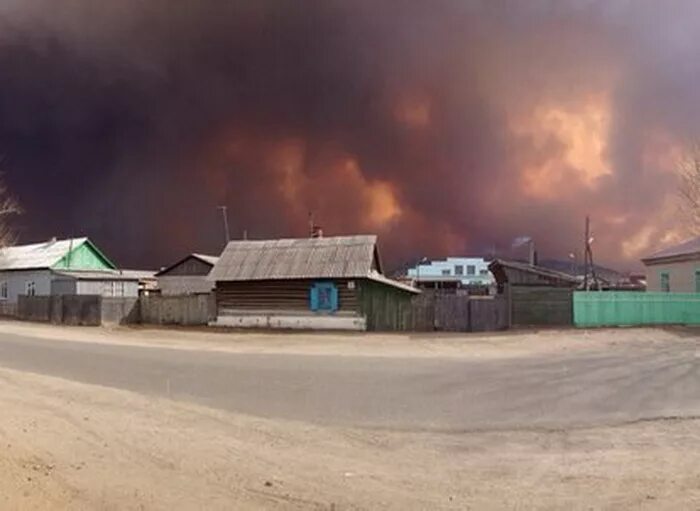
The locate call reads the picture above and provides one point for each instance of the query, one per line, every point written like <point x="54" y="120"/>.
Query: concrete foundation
<point x="291" y="321"/>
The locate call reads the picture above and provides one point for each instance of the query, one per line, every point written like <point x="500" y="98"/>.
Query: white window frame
<point x="4" y="291"/>
<point x="30" y="288"/>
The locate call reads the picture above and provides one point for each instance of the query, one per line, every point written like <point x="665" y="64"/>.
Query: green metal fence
<point x="624" y="308"/>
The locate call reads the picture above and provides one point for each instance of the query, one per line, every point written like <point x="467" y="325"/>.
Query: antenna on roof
<point x="224" y="213"/>
<point x="315" y="231"/>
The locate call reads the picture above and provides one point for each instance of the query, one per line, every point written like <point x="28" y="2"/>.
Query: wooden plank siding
<point x="385" y="307"/>
<point x="540" y="305"/>
<point x="280" y="295"/>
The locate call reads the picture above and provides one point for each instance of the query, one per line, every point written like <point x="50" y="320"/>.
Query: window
<point x="459" y="269"/>
<point x="471" y="269"/>
<point x="3" y="291"/>
<point x="30" y="288"/>
<point x="483" y="272"/>
<point x="446" y="272"/>
<point x="697" y="281"/>
<point x="665" y="282"/>
<point x="323" y="297"/>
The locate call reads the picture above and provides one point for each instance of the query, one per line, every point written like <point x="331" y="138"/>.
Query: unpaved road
<point x="95" y="419"/>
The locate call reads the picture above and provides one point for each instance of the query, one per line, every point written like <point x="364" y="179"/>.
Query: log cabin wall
<point x="281" y="295"/>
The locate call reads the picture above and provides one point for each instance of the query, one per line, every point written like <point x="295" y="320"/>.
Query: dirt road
<point x="71" y="445"/>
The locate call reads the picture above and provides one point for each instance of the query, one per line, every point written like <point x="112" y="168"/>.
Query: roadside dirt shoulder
<point x="89" y="447"/>
<point x="493" y="345"/>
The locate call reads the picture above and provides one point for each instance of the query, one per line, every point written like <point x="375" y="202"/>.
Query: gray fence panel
<point x="188" y="310"/>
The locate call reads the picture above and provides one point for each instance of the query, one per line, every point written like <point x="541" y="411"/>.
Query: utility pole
<point x="224" y="213"/>
<point x="572" y="256"/>
<point x="585" y="253"/>
<point x="588" y="258"/>
<point x="420" y="261"/>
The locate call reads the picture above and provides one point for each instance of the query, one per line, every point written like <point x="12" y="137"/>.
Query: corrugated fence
<point x="625" y="308"/>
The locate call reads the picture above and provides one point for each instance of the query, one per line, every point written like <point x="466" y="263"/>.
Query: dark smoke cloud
<point x="422" y="121"/>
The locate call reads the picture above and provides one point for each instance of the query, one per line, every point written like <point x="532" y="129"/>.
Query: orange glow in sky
<point x="572" y="142"/>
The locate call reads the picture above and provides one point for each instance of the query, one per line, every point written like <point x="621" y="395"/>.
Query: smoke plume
<point x="446" y="127"/>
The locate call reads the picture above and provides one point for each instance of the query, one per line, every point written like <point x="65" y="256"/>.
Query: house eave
<point x="680" y="258"/>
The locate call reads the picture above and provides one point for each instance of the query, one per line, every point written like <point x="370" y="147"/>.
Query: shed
<point x="105" y="283"/>
<point x="537" y="295"/>
<point x="187" y="276"/>
<point x="308" y="283"/>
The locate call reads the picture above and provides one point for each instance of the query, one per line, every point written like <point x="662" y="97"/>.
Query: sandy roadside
<point x="65" y="445"/>
<point x="491" y="345"/>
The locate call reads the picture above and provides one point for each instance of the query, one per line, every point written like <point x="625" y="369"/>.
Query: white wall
<point x="46" y="283"/>
<point x="681" y="276"/>
<point x="109" y="288"/>
<point x="17" y="283"/>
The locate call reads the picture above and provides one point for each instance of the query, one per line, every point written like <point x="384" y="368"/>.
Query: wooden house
<point x="311" y="283"/>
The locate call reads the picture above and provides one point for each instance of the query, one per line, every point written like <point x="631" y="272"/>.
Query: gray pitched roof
<point x="37" y="255"/>
<point x="546" y="273"/>
<point x="333" y="257"/>
<point x="207" y="258"/>
<point x="686" y="248"/>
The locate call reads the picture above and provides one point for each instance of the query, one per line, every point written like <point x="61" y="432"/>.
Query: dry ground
<point x="67" y="445"/>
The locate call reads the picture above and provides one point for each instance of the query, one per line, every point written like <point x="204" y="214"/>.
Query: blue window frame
<point x="323" y="297"/>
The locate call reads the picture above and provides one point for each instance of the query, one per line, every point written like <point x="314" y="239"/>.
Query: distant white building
<point x="453" y="272"/>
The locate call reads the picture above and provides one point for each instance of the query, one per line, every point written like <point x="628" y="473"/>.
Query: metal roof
<point x="37" y="255"/>
<point x="304" y="258"/>
<point x="139" y="274"/>
<point x="687" y="248"/>
<point x="207" y="258"/>
<point x="378" y="277"/>
<point x="535" y="270"/>
<point x="108" y="275"/>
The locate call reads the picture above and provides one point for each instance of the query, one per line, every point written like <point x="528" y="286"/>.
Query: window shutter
<point x="334" y="298"/>
<point x="313" y="297"/>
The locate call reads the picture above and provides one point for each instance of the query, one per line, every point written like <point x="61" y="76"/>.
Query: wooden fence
<point x="540" y="305"/>
<point x="178" y="310"/>
<point x="83" y="310"/>
<point x="457" y="313"/>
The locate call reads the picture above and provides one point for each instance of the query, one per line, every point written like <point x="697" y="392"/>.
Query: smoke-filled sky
<point x="447" y="127"/>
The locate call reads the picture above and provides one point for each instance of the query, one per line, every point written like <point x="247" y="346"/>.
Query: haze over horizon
<point x="446" y="127"/>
